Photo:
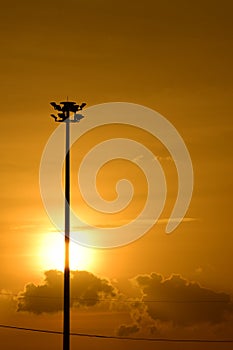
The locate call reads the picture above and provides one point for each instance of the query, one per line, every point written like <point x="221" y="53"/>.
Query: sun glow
<point x="51" y="254"/>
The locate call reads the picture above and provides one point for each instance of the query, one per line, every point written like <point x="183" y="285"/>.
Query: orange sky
<point x="173" y="57"/>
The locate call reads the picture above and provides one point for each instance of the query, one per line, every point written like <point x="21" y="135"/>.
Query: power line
<point x="172" y="340"/>
<point x="118" y="300"/>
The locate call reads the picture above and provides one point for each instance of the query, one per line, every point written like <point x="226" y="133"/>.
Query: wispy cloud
<point x="165" y="220"/>
<point x="140" y="222"/>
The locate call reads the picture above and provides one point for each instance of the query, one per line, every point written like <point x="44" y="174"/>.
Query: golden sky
<point x="172" y="56"/>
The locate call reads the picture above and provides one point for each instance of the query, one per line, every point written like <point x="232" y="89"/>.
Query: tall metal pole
<point x="66" y="315"/>
<point x="64" y="116"/>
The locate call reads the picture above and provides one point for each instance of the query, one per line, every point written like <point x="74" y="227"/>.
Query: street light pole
<point x="66" y="314"/>
<point x="64" y="116"/>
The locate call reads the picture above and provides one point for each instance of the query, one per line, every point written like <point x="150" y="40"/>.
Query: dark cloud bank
<point x="174" y="300"/>
<point x="86" y="290"/>
<point x="181" y="301"/>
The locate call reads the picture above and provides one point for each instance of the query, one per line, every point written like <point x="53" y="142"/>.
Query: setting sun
<point x="51" y="254"/>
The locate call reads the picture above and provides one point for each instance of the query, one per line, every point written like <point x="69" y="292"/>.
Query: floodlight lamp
<point x="55" y="106"/>
<point x="82" y="105"/>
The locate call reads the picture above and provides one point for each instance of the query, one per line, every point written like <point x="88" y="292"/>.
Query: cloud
<point x="7" y="302"/>
<point x="181" y="301"/>
<point x="157" y="306"/>
<point x="138" y="158"/>
<point x="166" y="220"/>
<point x="125" y="330"/>
<point x="140" y="222"/>
<point x="166" y="158"/>
<point x="141" y="321"/>
<point x="170" y="305"/>
<point x="86" y="290"/>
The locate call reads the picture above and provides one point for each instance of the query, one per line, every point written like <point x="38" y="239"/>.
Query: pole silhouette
<point x="66" y="314"/>
<point x="64" y="116"/>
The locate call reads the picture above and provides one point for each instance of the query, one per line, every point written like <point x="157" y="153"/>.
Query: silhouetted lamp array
<point x="64" y="108"/>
